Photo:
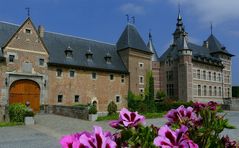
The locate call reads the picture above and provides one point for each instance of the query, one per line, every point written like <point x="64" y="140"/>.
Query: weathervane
<point x="28" y="11"/>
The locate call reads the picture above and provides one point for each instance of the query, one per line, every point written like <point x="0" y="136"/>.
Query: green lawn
<point x="4" y="124"/>
<point x="147" y="115"/>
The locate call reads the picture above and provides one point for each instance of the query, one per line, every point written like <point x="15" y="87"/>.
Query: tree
<point x="160" y="95"/>
<point x="149" y="92"/>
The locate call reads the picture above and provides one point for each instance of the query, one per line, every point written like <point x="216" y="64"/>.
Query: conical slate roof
<point x="215" y="46"/>
<point x="150" y="45"/>
<point x="130" y="38"/>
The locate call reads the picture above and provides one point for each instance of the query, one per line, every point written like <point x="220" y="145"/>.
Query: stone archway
<point x="25" y="90"/>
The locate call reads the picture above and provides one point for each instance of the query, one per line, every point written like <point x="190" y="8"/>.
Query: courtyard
<point x="49" y="128"/>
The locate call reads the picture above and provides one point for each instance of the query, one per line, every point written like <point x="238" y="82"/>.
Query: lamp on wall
<point x="6" y="81"/>
<point x="44" y="83"/>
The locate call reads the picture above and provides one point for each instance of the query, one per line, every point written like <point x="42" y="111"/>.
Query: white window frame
<point x="140" y="79"/>
<point x="95" y="76"/>
<point x="141" y="63"/>
<point x="119" y="98"/>
<point x="70" y="73"/>
<point x="57" y="73"/>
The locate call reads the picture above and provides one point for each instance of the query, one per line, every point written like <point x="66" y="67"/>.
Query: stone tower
<point x="184" y="61"/>
<point x="136" y="57"/>
<point x="155" y="64"/>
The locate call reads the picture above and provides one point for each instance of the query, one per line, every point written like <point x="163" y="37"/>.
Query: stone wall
<point x="69" y="111"/>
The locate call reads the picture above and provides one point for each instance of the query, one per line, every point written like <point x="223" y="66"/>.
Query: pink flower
<point x="96" y="139"/>
<point x="168" y="138"/>
<point x="212" y="105"/>
<point x="127" y="119"/>
<point x="182" y="115"/>
<point x="228" y="143"/>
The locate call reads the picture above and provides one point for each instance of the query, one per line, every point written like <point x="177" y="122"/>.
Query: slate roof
<point x="199" y="53"/>
<point x="150" y="45"/>
<point x="215" y="46"/>
<point x="58" y="43"/>
<point x="130" y="38"/>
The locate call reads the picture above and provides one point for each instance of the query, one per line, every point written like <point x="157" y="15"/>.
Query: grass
<point x="116" y="116"/>
<point x="4" y="124"/>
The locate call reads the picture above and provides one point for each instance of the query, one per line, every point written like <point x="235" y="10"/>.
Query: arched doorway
<point x="22" y="91"/>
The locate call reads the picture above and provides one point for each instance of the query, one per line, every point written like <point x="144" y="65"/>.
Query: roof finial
<point x="133" y="19"/>
<point x="211" y="27"/>
<point x="28" y="11"/>
<point x="150" y="35"/>
<point x="127" y="17"/>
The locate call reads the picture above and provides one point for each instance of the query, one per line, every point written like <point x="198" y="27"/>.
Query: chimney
<point x="205" y="44"/>
<point x="41" y="31"/>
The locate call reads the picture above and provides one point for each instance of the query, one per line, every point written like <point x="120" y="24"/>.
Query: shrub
<point x="112" y="108"/>
<point x="92" y="109"/>
<point x="17" y="112"/>
<point x="29" y="113"/>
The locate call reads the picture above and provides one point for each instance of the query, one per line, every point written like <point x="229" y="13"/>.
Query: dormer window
<point x="69" y="52"/>
<point x="89" y="55"/>
<point x="108" y="58"/>
<point x="28" y="31"/>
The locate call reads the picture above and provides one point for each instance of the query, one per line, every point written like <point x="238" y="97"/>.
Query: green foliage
<point x="138" y="137"/>
<point x="108" y="117"/>
<point x="112" y="108"/>
<point x="160" y="95"/>
<point x="208" y="134"/>
<point x="235" y="91"/>
<point x="134" y="101"/>
<point x="17" y="112"/>
<point x="92" y="109"/>
<point x="29" y="113"/>
<point x="5" y="124"/>
<point x="149" y="93"/>
<point x="165" y="106"/>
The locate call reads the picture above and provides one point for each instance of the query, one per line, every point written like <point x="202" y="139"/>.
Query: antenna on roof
<point x="28" y="11"/>
<point x="133" y="19"/>
<point x="179" y="7"/>
<point x="211" y="27"/>
<point x="127" y="17"/>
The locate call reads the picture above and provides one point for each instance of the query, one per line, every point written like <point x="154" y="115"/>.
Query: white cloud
<point x="132" y="9"/>
<point x="216" y="11"/>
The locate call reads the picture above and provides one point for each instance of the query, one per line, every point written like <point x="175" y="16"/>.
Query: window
<point x="11" y="58"/>
<point x="28" y="31"/>
<point x="199" y="90"/>
<point x="204" y="75"/>
<point x="72" y="73"/>
<point x="169" y="75"/>
<point x="111" y="77"/>
<point x="219" y="77"/>
<point x="170" y="90"/>
<point x="58" y="72"/>
<point x="194" y="73"/>
<point x="141" y="90"/>
<point x="198" y="73"/>
<point x="122" y="78"/>
<point x="141" y="79"/>
<point x="209" y="76"/>
<point x="219" y="91"/>
<point x="215" y="91"/>
<point x="141" y="65"/>
<point x="41" y="62"/>
<point x="77" y="98"/>
<point x="214" y="76"/>
<point x="93" y="75"/>
<point x="59" y="98"/>
<point x="228" y="92"/>
<point x="117" y="99"/>
<point x="210" y="90"/>
<point x="204" y="90"/>
<point x="69" y="54"/>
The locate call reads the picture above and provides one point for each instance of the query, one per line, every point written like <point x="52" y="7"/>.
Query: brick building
<point x="195" y="72"/>
<point x="47" y="68"/>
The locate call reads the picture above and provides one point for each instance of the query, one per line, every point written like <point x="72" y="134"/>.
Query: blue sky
<point x="104" y="20"/>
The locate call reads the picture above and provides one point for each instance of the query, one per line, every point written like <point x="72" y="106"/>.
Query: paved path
<point x="49" y="128"/>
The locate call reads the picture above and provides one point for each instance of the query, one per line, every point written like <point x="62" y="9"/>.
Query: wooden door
<point x="22" y="91"/>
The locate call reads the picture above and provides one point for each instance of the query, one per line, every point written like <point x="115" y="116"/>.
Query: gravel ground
<point x="49" y="128"/>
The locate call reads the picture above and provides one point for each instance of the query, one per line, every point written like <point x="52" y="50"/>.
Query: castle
<point x="47" y="68"/>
